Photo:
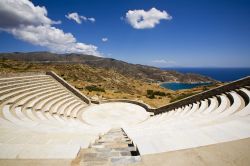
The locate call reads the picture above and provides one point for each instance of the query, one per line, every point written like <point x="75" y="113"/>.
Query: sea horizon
<point x="223" y="74"/>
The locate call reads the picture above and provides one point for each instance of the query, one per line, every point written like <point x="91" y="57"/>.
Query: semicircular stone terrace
<point x="42" y="117"/>
<point x="114" y="115"/>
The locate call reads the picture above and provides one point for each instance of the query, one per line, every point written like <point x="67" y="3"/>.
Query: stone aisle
<point x="112" y="148"/>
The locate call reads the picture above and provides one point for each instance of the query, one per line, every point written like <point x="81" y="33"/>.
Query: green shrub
<point x="94" y="88"/>
<point x="79" y="87"/>
<point x="151" y="94"/>
<point x="205" y="88"/>
<point x="158" y="93"/>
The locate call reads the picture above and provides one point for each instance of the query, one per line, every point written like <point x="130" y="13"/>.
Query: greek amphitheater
<point x="46" y="121"/>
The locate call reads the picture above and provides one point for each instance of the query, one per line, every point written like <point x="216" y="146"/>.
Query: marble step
<point x="112" y="148"/>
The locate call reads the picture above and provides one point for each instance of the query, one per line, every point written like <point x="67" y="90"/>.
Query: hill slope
<point x="146" y="73"/>
<point x="98" y="80"/>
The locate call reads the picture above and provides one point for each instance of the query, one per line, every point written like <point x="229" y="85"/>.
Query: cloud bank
<point x="78" y="19"/>
<point x="141" y="19"/>
<point x="31" y="24"/>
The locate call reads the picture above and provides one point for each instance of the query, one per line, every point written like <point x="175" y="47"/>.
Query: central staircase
<point x="112" y="148"/>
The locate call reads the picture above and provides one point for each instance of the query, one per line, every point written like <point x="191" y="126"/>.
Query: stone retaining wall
<point x="69" y="87"/>
<point x="204" y="95"/>
<point x="191" y="99"/>
<point x="180" y="103"/>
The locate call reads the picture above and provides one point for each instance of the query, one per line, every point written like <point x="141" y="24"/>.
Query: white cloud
<point x="141" y="19"/>
<point x="83" y="18"/>
<point x="31" y="24"/>
<point x="104" y="39"/>
<point x="78" y="18"/>
<point x="14" y="13"/>
<point x="161" y="62"/>
<point x="91" y="19"/>
<point x="54" y="39"/>
<point x="74" y="16"/>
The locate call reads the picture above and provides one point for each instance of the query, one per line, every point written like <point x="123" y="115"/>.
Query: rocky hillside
<point x="136" y="71"/>
<point x="99" y="83"/>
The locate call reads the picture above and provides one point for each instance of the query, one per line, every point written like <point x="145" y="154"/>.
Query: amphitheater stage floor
<point x="115" y="114"/>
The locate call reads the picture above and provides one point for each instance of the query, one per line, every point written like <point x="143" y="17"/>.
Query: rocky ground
<point x="101" y="83"/>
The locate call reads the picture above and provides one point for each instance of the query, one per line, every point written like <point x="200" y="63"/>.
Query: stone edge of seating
<point x="180" y="103"/>
<point x="69" y="87"/>
<point x="8" y="75"/>
<point x="203" y="95"/>
<point x="188" y="100"/>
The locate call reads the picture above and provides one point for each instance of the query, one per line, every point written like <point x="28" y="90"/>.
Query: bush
<point x="158" y="93"/>
<point x="151" y="94"/>
<point x="79" y="87"/>
<point x="4" y="59"/>
<point x="205" y="88"/>
<point x="94" y="88"/>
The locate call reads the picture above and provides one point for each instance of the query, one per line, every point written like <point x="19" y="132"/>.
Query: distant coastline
<point x="180" y="86"/>
<point x="220" y="74"/>
<point x="199" y="82"/>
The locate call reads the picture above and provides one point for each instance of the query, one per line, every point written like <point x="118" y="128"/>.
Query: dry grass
<point x="116" y="85"/>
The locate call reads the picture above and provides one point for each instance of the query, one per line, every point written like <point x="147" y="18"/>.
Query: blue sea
<point x="178" y="86"/>
<point x="220" y="74"/>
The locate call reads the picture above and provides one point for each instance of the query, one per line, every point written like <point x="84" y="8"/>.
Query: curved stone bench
<point x="203" y="106"/>
<point x="62" y="104"/>
<point x="23" y="85"/>
<point x="22" y="78"/>
<point x="42" y="112"/>
<point x="9" y="92"/>
<point x="11" y="98"/>
<point x="63" y="107"/>
<point x="237" y="105"/>
<point x="246" y="110"/>
<point x="213" y="105"/>
<point x="28" y="107"/>
<point x="75" y="109"/>
<point x="171" y="131"/>
<point x="69" y="108"/>
<point x="29" y="97"/>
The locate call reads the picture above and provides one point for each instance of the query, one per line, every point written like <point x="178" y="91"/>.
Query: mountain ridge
<point x="137" y="71"/>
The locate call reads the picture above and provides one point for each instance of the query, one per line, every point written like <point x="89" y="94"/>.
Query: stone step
<point x="124" y="160"/>
<point x="92" y="159"/>
<point x="110" y="142"/>
<point x="128" y="141"/>
<point x="132" y="148"/>
<point x="112" y="148"/>
<point x="94" y="163"/>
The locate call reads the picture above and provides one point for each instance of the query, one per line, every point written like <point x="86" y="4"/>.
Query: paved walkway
<point x="235" y="153"/>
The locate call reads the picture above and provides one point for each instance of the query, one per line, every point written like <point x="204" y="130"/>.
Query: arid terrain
<point x="102" y="83"/>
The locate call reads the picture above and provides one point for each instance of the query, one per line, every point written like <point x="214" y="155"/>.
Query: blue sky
<point x="195" y="33"/>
